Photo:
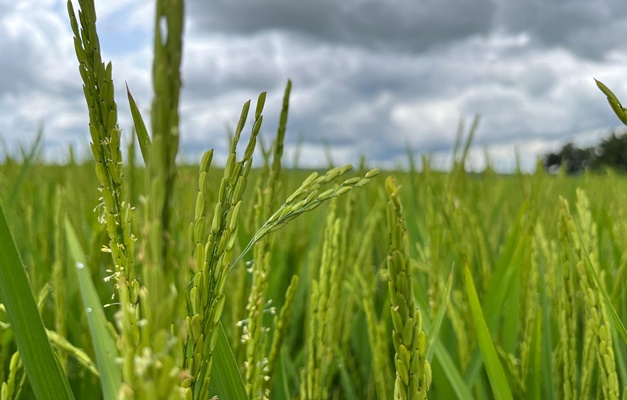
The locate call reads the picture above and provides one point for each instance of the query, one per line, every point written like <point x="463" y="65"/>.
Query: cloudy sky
<point x="369" y="77"/>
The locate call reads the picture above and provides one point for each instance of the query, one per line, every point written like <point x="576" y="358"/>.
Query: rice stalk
<point x="598" y="321"/>
<point x="307" y="198"/>
<point x="567" y="310"/>
<point x="413" y="373"/>
<point x="115" y="212"/>
<point x="281" y="323"/>
<point x="322" y="318"/>
<point x="255" y="335"/>
<point x="529" y="308"/>
<point x="378" y="339"/>
<point x="9" y="387"/>
<point x="206" y="297"/>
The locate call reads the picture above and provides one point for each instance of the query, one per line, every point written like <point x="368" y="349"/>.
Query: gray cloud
<point x="370" y="77"/>
<point x="589" y="29"/>
<point x="398" y="25"/>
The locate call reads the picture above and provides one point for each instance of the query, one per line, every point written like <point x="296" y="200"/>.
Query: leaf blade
<point x="439" y="317"/>
<point x="104" y="346"/>
<point x="140" y="127"/>
<point x="44" y="371"/>
<point x="614" y="102"/>
<point x="496" y="375"/>
<point x="226" y="381"/>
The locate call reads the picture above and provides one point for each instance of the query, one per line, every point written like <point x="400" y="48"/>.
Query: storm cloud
<point x="369" y="77"/>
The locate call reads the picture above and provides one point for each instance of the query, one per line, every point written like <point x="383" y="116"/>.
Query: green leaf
<point x="451" y="371"/>
<point x="439" y="317"/>
<point x="44" y="371"/>
<point x="140" y="127"/>
<point x="226" y="381"/>
<point x="535" y="375"/>
<point x="548" y="386"/>
<point x="496" y="375"/>
<point x="471" y="135"/>
<point x="346" y="382"/>
<point x="26" y="163"/>
<point x="606" y="91"/>
<point x="454" y="376"/>
<point x="620" y="358"/>
<point x="620" y="112"/>
<point x="104" y="345"/>
<point x="499" y="286"/>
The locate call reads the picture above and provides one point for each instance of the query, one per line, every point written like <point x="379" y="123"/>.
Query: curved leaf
<point x="44" y="371"/>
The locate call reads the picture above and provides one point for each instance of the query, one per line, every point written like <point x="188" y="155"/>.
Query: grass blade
<point x="44" y="371"/>
<point x="26" y="163"/>
<point x="495" y="295"/>
<point x="452" y="373"/>
<point x="104" y="346"/>
<point x="140" y="127"/>
<point x="439" y="317"/>
<point x="454" y="376"/>
<point x="620" y="357"/>
<point x="614" y="102"/>
<point x="496" y="375"/>
<point x="346" y="382"/>
<point x="548" y="387"/>
<point x="535" y="377"/>
<point x="226" y="381"/>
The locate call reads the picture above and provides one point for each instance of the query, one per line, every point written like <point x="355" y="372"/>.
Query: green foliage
<point x="610" y="153"/>
<point x="196" y="293"/>
<point x="45" y="373"/>
<point x="498" y="381"/>
<point x="517" y="218"/>
<point x="104" y="346"/>
<point x="618" y="108"/>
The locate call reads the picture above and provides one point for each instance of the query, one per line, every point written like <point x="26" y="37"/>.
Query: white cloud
<point x="360" y="85"/>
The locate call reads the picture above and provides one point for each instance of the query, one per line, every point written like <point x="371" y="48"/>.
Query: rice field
<point x="129" y="276"/>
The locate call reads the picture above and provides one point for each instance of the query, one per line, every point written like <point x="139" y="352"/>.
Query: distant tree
<point x="612" y="152"/>
<point x="573" y="159"/>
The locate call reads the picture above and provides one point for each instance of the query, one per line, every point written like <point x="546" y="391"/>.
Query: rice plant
<point x="170" y="281"/>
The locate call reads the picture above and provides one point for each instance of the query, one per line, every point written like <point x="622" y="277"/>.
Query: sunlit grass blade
<point x="140" y="127"/>
<point x="26" y="163"/>
<point x="469" y="139"/>
<point x="451" y="370"/>
<point x="346" y="382"/>
<point x="548" y="388"/>
<point x="226" y="381"/>
<point x="499" y="286"/>
<point x="104" y="346"/>
<point x="496" y="375"/>
<point x="44" y="371"/>
<point x="620" y="358"/>
<point x="535" y="376"/>
<point x="439" y="317"/>
<point x="61" y="344"/>
<point x="79" y="355"/>
<point x="614" y="102"/>
<point x="452" y="373"/>
<point x="606" y="91"/>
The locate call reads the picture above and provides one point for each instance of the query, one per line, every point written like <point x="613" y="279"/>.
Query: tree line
<point x="610" y="153"/>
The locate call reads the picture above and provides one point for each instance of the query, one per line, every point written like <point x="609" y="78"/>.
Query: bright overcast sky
<point x="369" y="77"/>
